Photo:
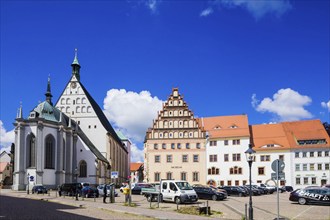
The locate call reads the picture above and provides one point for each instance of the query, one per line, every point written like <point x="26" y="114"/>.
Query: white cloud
<point x="326" y="105"/>
<point x="206" y="12"/>
<point x="152" y="5"/>
<point x="287" y="105"/>
<point x="131" y="112"/>
<point x="137" y="155"/>
<point x="6" y="138"/>
<point x="258" y="8"/>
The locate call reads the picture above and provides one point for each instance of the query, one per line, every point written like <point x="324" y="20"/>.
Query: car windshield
<point x="183" y="185"/>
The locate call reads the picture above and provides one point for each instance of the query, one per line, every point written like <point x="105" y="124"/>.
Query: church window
<point x="78" y="109"/>
<point x="83" y="109"/>
<point x="50" y="152"/>
<point x="67" y="101"/>
<point x="89" y="109"/>
<point x="89" y="126"/>
<point x="94" y="126"/>
<point x="62" y="101"/>
<point x="82" y="169"/>
<point x="78" y="101"/>
<point x="83" y="100"/>
<point x="31" y="151"/>
<point x="74" y="102"/>
<point x="67" y="109"/>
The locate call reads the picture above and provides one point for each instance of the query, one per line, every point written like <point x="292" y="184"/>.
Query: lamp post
<point x="250" y="156"/>
<point x="76" y="175"/>
<point x="28" y="183"/>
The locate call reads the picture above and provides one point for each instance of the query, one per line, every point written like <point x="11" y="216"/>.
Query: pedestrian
<point x="104" y="193"/>
<point x="59" y="191"/>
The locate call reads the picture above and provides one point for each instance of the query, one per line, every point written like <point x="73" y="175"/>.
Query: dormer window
<point x="32" y="115"/>
<point x="233" y="126"/>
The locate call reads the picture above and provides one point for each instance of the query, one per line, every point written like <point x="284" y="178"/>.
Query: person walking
<point x="104" y="193"/>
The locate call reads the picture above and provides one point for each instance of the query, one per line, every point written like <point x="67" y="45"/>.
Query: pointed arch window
<point x="50" y="152"/>
<point x="31" y="151"/>
<point x="82" y="169"/>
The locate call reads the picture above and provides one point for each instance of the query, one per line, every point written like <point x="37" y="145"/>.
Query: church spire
<point x="48" y="94"/>
<point x="75" y="65"/>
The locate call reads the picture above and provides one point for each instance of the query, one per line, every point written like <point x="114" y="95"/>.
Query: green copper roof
<point x="47" y="111"/>
<point x="75" y="60"/>
<point x="121" y="135"/>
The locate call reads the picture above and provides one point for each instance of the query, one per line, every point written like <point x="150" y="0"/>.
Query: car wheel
<point x="214" y="198"/>
<point x="177" y="200"/>
<point x="302" y="201"/>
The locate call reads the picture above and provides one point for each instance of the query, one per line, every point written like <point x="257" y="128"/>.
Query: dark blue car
<point x="315" y="195"/>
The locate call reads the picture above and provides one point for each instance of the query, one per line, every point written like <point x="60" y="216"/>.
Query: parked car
<point x="138" y="186"/>
<point x="234" y="190"/>
<point x="326" y="185"/>
<point x="255" y="191"/>
<point x="209" y="193"/>
<point x="90" y="191"/>
<point x="220" y="190"/>
<point x="288" y="188"/>
<point x="101" y="187"/>
<point x="70" y="189"/>
<point x="316" y="195"/>
<point x="38" y="189"/>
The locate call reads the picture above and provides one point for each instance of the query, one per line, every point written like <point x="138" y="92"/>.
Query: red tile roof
<point x="135" y="166"/>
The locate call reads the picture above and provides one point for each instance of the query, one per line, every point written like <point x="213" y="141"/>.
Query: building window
<point x="296" y="154"/>
<point x="156" y="146"/>
<point x="178" y="145"/>
<point x="213" y="171"/>
<point x="169" y="158"/>
<point x="50" y="153"/>
<point x="304" y="154"/>
<point x="311" y="166"/>
<point x="198" y="145"/>
<point x="305" y="167"/>
<point x="326" y="153"/>
<point x="235" y="170"/>
<point x="226" y="142"/>
<point x="185" y="158"/>
<point x="82" y="169"/>
<point x="265" y="158"/>
<point x="195" y="176"/>
<point x="229" y="182"/>
<point x="319" y="166"/>
<point x="313" y="180"/>
<point x="226" y="157"/>
<point x="319" y="153"/>
<point x="261" y="170"/>
<point x="169" y="175"/>
<point x="164" y="146"/>
<point x="236" y="142"/>
<point x="297" y="167"/>
<point x="298" y="181"/>
<point x="326" y="166"/>
<point x="236" y="157"/>
<point x="281" y="157"/>
<point x="195" y="158"/>
<point x="187" y="146"/>
<point x="172" y="146"/>
<point x="157" y="176"/>
<point x="311" y="154"/>
<point x="183" y="176"/>
<point x="157" y="158"/>
<point x="213" y="143"/>
<point x="305" y="180"/>
<point x="213" y="158"/>
<point x="32" y="151"/>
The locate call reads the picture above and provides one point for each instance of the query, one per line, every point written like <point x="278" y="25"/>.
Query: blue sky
<point x="267" y="59"/>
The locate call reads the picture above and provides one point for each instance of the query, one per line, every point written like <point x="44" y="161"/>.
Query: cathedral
<point x="71" y="141"/>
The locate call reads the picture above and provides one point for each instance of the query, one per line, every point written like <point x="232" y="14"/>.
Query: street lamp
<point x="28" y="183"/>
<point x="250" y="157"/>
<point x="76" y="174"/>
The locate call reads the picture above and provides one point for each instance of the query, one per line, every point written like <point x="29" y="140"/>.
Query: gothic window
<point x="50" y="152"/>
<point x="62" y="101"/>
<point x="31" y="151"/>
<point x="78" y="101"/>
<point x="83" y="101"/>
<point x="78" y="109"/>
<point x="83" y="109"/>
<point x="82" y="169"/>
<point x="89" y="109"/>
<point x="67" y="101"/>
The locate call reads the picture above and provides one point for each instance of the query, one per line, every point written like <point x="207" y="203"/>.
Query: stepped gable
<point x="176" y="118"/>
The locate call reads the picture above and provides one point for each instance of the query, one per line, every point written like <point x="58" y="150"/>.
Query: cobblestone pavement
<point x="264" y="207"/>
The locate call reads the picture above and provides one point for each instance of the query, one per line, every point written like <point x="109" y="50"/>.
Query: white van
<point x="178" y="191"/>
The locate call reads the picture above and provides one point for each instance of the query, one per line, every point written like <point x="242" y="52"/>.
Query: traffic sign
<point x="114" y="174"/>
<point x="281" y="176"/>
<point x="281" y="165"/>
<point x="31" y="178"/>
